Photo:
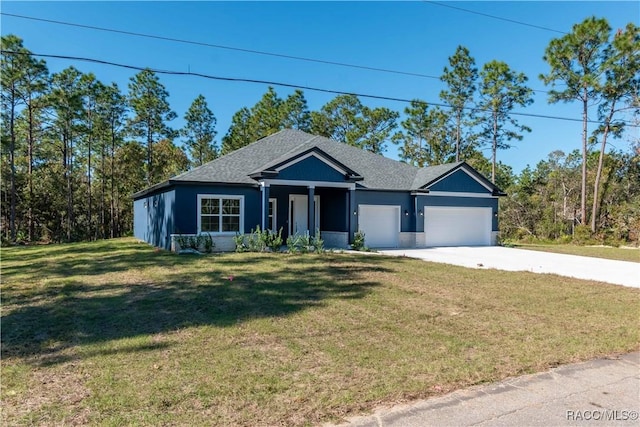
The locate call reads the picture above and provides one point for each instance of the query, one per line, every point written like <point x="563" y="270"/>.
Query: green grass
<point x="114" y="333"/>
<point x="607" y="252"/>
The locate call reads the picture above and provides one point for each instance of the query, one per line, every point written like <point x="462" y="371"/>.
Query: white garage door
<point x="457" y="226"/>
<point x="380" y="225"/>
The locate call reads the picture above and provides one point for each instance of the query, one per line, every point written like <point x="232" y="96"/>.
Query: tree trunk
<point x="12" y="165"/>
<point x="103" y="188"/>
<point x="30" y="169"/>
<point x="112" y="231"/>
<point x="583" y="186"/>
<point x="494" y="149"/>
<point x="458" y="120"/>
<point x="90" y="207"/>
<point x="149" y="156"/>
<point x="596" y="186"/>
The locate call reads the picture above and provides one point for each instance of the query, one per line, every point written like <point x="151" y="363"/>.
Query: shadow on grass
<point x="93" y="258"/>
<point x="45" y="321"/>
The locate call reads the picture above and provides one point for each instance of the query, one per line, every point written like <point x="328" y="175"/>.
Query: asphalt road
<point x="602" y="392"/>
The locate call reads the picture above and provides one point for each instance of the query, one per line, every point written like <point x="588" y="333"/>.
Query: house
<point x="303" y="183"/>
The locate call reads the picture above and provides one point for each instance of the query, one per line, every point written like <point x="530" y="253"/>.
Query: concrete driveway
<point x="603" y="270"/>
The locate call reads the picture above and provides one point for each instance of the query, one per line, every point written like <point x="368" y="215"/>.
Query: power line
<point x="513" y="21"/>
<point x="238" y="49"/>
<point x="281" y="84"/>
<point x="217" y="46"/>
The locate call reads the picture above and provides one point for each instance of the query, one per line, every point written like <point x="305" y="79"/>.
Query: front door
<point x="299" y="214"/>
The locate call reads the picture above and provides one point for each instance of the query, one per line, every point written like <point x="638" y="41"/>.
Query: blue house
<point x="303" y="183"/>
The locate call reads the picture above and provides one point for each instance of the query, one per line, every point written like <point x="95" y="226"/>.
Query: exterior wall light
<point x="406" y="212"/>
<point x="420" y="212"/>
<point x="355" y="212"/>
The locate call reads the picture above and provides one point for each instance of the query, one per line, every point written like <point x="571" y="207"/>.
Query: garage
<point x="380" y="225"/>
<point x="457" y="226"/>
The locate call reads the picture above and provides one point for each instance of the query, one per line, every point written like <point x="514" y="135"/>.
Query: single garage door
<point x="380" y="225"/>
<point x="457" y="226"/>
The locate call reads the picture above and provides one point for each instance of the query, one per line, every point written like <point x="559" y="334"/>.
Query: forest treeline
<point x="74" y="149"/>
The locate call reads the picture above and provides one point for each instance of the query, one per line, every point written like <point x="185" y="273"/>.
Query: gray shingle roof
<point x="378" y="172"/>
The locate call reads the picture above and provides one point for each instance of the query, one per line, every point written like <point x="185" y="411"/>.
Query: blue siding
<point x="154" y="222"/>
<point x="333" y="209"/>
<point x="186" y="213"/>
<point x="311" y="169"/>
<point x="481" y="202"/>
<point x="402" y="199"/>
<point x="459" y="181"/>
<point x="140" y="219"/>
<point x="281" y="194"/>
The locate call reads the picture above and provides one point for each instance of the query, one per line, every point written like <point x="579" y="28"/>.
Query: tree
<point x="577" y="61"/>
<point x="295" y="113"/>
<point x="345" y="119"/>
<point x="170" y="159"/>
<point x="30" y="81"/>
<point x="619" y="93"/>
<point x="148" y="100"/>
<point x="461" y="82"/>
<point x="239" y="133"/>
<point x="14" y="59"/>
<point x="426" y="139"/>
<point x="66" y="104"/>
<point x="199" y="131"/>
<point x="267" y="115"/>
<point x="501" y="90"/>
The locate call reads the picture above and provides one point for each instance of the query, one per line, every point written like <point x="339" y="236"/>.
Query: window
<point x="220" y="214"/>
<point x="273" y="215"/>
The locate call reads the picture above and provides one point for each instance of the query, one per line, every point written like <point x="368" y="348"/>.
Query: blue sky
<point x="415" y="37"/>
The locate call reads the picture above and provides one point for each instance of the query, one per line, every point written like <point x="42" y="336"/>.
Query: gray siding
<point x="459" y="181"/>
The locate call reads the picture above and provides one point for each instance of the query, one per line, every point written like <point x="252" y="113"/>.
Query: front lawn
<point x="606" y="252"/>
<point x="116" y="333"/>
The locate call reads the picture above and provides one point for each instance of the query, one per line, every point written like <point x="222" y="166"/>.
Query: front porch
<point x="308" y="208"/>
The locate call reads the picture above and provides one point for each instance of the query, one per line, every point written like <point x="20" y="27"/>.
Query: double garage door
<point x="457" y="226"/>
<point x="443" y="226"/>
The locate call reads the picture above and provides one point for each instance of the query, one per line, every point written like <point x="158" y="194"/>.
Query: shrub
<point x="272" y="240"/>
<point x="258" y="241"/>
<point x="582" y="235"/>
<point x="358" y="242"/>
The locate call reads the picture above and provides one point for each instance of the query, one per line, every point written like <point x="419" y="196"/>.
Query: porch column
<point x="353" y="217"/>
<point x="311" y="210"/>
<point x="265" y="206"/>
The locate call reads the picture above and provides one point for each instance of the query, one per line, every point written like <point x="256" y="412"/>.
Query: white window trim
<point x="220" y="196"/>
<point x="274" y="215"/>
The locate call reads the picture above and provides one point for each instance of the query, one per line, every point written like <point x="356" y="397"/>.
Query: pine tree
<point x="148" y="100"/>
<point x="199" y="132"/>
<point x="577" y="63"/>
<point x="501" y="90"/>
<point x="461" y="87"/>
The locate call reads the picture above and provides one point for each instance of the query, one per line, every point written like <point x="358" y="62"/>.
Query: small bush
<point x="582" y="235"/>
<point x="258" y="241"/>
<point x="358" y="242"/>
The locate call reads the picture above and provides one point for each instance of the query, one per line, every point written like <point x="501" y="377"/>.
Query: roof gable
<point x="311" y="164"/>
<point x="460" y="181"/>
